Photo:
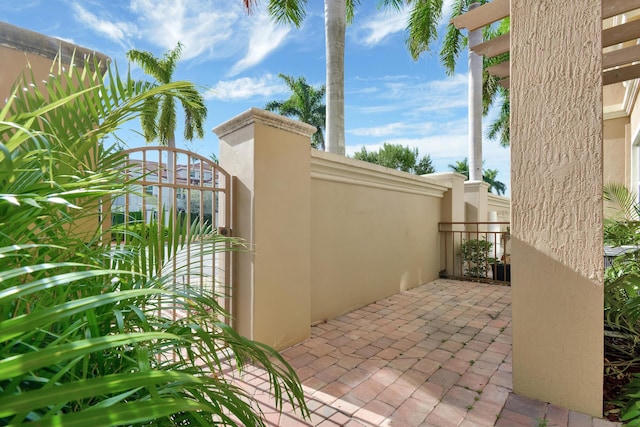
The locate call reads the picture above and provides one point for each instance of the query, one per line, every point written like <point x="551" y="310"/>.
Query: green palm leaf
<point x="86" y="330"/>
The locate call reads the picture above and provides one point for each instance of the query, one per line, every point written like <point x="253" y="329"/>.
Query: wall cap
<point x="498" y="201"/>
<point x="267" y="118"/>
<point x="333" y="167"/>
<point x="49" y="47"/>
<point x="475" y="185"/>
<point x="445" y="178"/>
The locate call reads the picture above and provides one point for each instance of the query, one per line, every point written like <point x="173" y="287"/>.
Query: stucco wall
<point x="374" y="233"/>
<point x="616" y="161"/>
<point x="20" y="47"/>
<point x="501" y="206"/>
<point x="556" y="176"/>
<point x="268" y="155"/>
<point x="25" y="54"/>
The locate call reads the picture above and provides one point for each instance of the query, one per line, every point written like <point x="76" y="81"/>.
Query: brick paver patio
<point x="436" y="355"/>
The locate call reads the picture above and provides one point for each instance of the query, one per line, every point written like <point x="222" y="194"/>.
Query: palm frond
<point x="422" y="26"/>
<point x="621" y="202"/>
<point x="87" y="334"/>
<point x="288" y="11"/>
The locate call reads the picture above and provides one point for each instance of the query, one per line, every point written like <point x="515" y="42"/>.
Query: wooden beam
<point x="623" y="74"/>
<point x="616" y="7"/>
<point x="500" y="70"/>
<point x="505" y="83"/>
<point x="621" y="57"/>
<point x="486" y="14"/>
<point x="621" y="33"/>
<point x="493" y="47"/>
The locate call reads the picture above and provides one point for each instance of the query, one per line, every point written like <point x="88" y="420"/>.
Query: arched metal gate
<point x="186" y="199"/>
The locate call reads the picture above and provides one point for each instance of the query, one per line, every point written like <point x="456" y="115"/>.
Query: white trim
<point x="635" y="160"/>
<point x="334" y="168"/>
<point x="616" y="111"/>
<point x="630" y="95"/>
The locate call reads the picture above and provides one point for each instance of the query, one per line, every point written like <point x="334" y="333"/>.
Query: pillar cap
<point x="258" y="115"/>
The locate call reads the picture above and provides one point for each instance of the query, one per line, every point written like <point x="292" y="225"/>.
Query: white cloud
<point x="247" y="88"/>
<point x="120" y="32"/>
<point x="205" y="27"/>
<point x="209" y="29"/>
<point x="265" y="37"/>
<point x="382" y="25"/>
<point x="415" y="97"/>
<point x="392" y="129"/>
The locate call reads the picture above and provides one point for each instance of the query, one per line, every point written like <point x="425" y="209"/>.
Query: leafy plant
<point x="475" y="257"/>
<point x="631" y="410"/>
<point x="622" y="302"/>
<point x="86" y="331"/>
<point x="622" y="225"/>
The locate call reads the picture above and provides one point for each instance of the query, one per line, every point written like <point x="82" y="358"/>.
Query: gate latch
<point x="224" y="231"/>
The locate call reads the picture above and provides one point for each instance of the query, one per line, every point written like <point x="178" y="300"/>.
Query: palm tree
<point x="461" y="167"/>
<point x="159" y="120"/>
<point x="489" y="176"/>
<point x="337" y="14"/>
<point x="83" y="339"/>
<point x="305" y="104"/>
<point x="422" y="33"/>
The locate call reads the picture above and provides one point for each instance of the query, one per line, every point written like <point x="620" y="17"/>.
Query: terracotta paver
<point x="437" y="355"/>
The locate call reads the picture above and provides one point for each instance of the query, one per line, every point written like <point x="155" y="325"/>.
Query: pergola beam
<point x="483" y="15"/>
<point x="619" y="57"/>
<point x="500" y="70"/>
<point x="621" y="33"/>
<point x="493" y="47"/>
<point x="622" y="74"/>
<point x="612" y="8"/>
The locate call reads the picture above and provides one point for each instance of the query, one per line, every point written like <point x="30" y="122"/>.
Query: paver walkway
<point x="436" y="355"/>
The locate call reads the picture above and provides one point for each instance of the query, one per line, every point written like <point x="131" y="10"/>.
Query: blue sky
<point x="236" y="59"/>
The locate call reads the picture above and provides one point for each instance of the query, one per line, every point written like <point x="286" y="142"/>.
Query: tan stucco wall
<point x="556" y="176"/>
<point x="328" y="234"/>
<point x="500" y="205"/>
<point x="269" y="157"/>
<point x="616" y="160"/>
<point x="20" y="47"/>
<point x="613" y="97"/>
<point x="26" y="55"/>
<point x="374" y="233"/>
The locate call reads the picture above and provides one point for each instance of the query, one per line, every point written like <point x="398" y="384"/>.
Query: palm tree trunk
<point x="335" y="28"/>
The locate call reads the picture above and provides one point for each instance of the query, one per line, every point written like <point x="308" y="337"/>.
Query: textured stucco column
<point x="269" y="157"/>
<point x="556" y="176"/>
<point x="453" y="210"/>
<point x="475" y="200"/>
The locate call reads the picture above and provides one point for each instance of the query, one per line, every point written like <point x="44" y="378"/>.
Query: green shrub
<point x="475" y="257"/>
<point x="82" y="339"/>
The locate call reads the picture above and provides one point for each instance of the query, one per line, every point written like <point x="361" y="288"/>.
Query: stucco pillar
<point x="269" y="157"/>
<point x="475" y="198"/>
<point x="475" y="104"/>
<point x="453" y="210"/>
<point x="556" y="176"/>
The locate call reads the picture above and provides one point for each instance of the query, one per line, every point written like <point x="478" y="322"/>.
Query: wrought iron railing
<point x="478" y="251"/>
